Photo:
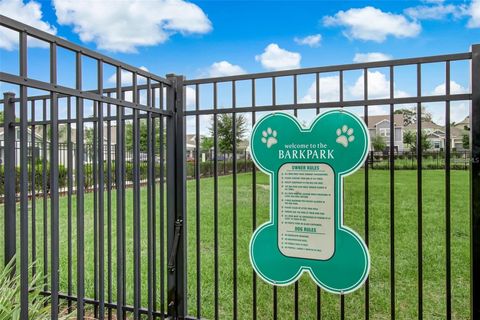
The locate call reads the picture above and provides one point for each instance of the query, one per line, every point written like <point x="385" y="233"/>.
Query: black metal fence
<point x="118" y="248"/>
<point x="88" y="240"/>
<point x="241" y="202"/>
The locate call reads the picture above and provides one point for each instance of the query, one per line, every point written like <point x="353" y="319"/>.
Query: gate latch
<point x="176" y="238"/>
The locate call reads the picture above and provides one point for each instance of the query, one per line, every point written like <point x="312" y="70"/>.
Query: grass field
<point x="379" y="239"/>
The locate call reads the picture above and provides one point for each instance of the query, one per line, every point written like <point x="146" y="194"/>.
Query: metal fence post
<point x="176" y="192"/>
<point x="475" y="183"/>
<point x="9" y="166"/>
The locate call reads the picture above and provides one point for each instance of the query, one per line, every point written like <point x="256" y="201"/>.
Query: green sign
<point x="306" y="232"/>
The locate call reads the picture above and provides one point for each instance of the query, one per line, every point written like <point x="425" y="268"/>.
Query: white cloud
<point x="455" y="88"/>
<point x="329" y="90"/>
<point x="378" y="87"/>
<point x="191" y="97"/>
<point x="311" y="41"/>
<point x="276" y="58"/>
<point x="437" y="12"/>
<point x="126" y="77"/>
<point x="29" y="13"/>
<point x="370" y="23"/>
<point x="474" y="12"/>
<point x="123" y="26"/>
<point x="224" y="68"/>
<point x="371" y="56"/>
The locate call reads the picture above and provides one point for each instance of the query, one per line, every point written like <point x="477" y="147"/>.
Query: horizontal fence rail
<point x="125" y="210"/>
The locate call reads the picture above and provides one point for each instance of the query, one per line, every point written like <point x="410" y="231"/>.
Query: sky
<point x="217" y="38"/>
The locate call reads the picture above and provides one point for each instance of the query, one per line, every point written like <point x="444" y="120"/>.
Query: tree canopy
<point x="225" y="134"/>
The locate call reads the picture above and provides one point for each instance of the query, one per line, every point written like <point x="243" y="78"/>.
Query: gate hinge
<point x="176" y="238"/>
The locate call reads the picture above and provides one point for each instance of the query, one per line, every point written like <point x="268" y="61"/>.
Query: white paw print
<point x="269" y="137"/>
<point x="345" y="135"/>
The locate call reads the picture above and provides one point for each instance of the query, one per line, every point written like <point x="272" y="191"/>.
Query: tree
<point x="225" y="131"/>
<point x="466" y="141"/>
<point x="143" y="128"/>
<point x="410" y="115"/>
<point x="426" y="144"/>
<point x="409" y="139"/>
<point x="88" y="136"/>
<point x="206" y="143"/>
<point x="378" y="143"/>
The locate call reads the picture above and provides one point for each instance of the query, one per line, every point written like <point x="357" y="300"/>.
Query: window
<point x="436" y="144"/>
<point x="385" y="132"/>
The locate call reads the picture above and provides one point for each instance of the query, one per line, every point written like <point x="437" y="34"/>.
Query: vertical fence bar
<point x="152" y="98"/>
<point x="366" y="196"/>
<point x="448" y="285"/>
<point x="392" y="197"/>
<point x="419" y="194"/>
<point x="23" y="182"/>
<point x="54" y="197"/>
<point x="45" y="195"/>
<point x="150" y="202"/>
<point x="119" y="161"/>
<point x="234" y="201"/>
<point x="176" y="190"/>
<point x="296" y="288"/>
<point x="197" y="201"/>
<point x="215" y="200"/>
<point x="275" y="289"/>
<point x="69" y="200"/>
<point x="32" y="188"/>
<point x="340" y="84"/>
<point x="80" y="193"/>
<point x="254" y="210"/>
<point x="109" y="206"/>
<point x="475" y="183"/>
<point x="10" y="234"/>
<point x="162" y="210"/>
<point x="101" y="186"/>
<point x="317" y="99"/>
<point x="136" y="205"/>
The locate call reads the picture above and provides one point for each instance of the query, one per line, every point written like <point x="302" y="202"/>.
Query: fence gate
<point x="98" y="184"/>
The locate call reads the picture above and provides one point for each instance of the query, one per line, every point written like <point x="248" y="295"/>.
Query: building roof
<point x="374" y="120"/>
<point x="464" y="123"/>
<point x="425" y="125"/>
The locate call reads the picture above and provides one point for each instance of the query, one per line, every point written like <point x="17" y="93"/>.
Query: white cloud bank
<point x="378" y="88"/>
<point x="474" y="12"/>
<point x="372" y="24"/>
<point x="29" y="13"/>
<point x="126" y="77"/>
<point x="123" y="26"/>
<point x="436" y="12"/>
<point x="276" y="58"/>
<point x="311" y="41"/>
<point x="371" y="57"/>
<point x="224" y="68"/>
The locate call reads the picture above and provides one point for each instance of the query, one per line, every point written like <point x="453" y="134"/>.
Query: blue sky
<point x="210" y="38"/>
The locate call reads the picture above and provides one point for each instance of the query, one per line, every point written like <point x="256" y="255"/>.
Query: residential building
<point x="379" y="125"/>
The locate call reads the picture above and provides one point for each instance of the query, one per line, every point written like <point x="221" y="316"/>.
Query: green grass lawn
<point x="379" y="235"/>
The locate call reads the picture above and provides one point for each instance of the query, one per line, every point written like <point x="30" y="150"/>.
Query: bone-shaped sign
<point x="306" y="232"/>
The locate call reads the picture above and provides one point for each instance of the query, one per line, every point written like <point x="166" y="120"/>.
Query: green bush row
<point x="223" y="167"/>
<point x="384" y="165"/>
<point x="62" y="177"/>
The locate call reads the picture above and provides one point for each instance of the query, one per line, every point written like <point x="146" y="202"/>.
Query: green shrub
<point x="38" y="307"/>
